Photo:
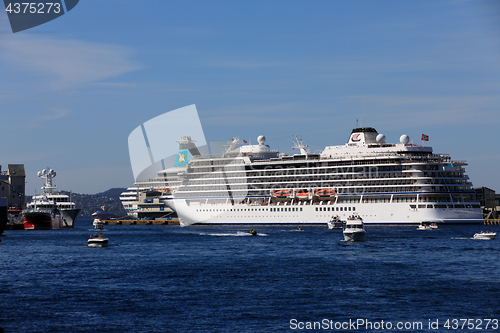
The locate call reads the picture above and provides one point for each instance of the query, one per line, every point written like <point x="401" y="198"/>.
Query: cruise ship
<point x="383" y="183"/>
<point x="144" y="200"/>
<point x="129" y="199"/>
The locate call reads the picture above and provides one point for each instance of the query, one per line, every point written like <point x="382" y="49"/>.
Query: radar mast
<point x="48" y="174"/>
<point x="299" y="144"/>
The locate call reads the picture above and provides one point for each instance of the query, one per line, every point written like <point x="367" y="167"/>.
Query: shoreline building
<point x="489" y="201"/>
<point x="12" y="193"/>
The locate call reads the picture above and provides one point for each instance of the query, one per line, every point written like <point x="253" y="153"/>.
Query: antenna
<point x="231" y="145"/>
<point x="299" y="144"/>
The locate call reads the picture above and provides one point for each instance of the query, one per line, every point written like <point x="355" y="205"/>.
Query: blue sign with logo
<point x="183" y="158"/>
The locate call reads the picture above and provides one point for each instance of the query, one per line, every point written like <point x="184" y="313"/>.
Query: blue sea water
<point x="220" y="279"/>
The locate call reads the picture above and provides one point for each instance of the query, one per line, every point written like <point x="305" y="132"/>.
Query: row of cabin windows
<point x="335" y="209"/>
<point x="445" y="206"/>
<point x="282" y="209"/>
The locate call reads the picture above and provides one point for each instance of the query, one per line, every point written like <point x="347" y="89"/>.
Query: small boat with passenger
<point x="485" y="235"/>
<point x="354" y="229"/>
<point x="335" y="223"/>
<point x="426" y="225"/>
<point x="98" y="224"/>
<point x="253" y="232"/>
<point x="97" y="241"/>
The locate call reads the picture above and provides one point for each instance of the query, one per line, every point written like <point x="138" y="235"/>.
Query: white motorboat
<point x="97" y="241"/>
<point x="485" y="235"/>
<point x="354" y="229"/>
<point x="98" y="224"/>
<point x="335" y="223"/>
<point x="425" y="225"/>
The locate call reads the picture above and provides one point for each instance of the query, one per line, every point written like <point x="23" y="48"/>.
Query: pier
<point x="141" y="222"/>
<point x="20" y="226"/>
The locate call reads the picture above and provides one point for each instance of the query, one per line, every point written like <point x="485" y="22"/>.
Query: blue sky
<point x="73" y="89"/>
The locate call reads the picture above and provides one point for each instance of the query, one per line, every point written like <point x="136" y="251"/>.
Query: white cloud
<point x="247" y="64"/>
<point x="65" y="63"/>
<point x="116" y="84"/>
<point x="55" y="113"/>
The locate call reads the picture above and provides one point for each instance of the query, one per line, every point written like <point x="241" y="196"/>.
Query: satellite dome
<point x="380" y="138"/>
<point x="39" y="174"/>
<point x="404" y="139"/>
<point x="261" y="139"/>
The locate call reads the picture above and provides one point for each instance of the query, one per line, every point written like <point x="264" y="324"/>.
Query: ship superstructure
<point x="401" y="183"/>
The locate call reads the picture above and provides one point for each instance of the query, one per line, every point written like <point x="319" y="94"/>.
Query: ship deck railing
<point x="438" y="157"/>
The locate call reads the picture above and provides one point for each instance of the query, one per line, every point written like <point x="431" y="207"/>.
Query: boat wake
<point x="226" y="234"/>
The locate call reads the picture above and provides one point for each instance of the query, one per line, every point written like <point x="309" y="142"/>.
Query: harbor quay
<point x="141" y="222"/>
<point x="20" y="226"/>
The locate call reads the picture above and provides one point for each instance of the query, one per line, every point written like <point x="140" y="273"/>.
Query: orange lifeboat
<point x="281" y="194"/>
<point x="302" y="194"/>
<point x="325" y="192"/>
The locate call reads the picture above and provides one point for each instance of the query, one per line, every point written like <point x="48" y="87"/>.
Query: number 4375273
<point x="34" y="7"/>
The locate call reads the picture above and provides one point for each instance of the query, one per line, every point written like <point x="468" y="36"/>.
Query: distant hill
<point x="90" y="203"/>
<point x="112" y="192"/>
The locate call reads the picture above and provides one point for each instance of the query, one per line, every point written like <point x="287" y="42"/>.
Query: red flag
<point x="244" y="141"/>
<point x="425" y="137"/>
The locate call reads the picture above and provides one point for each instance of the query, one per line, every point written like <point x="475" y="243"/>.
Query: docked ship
<point x="383" y="183"/>
<point x="42" y="219"/>
<point x="143" y="200"/>
<point x="129" y="200"/>
<point x="43" y="206"/>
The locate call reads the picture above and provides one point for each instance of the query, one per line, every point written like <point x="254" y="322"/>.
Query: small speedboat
<point x="97" y="241"/>
<point x="485" y="235"/>
<point x="97" y="222"/>
<point x="354" y="229"/>
<point x="253" y="232"/>
<point x="424" y="225"/>
<point x="335" y="223"/>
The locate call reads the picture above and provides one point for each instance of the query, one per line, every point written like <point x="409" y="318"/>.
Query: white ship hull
<point x="372" y="213"/>
<point x="69" y="217"/>
<point x="356" y="235"/>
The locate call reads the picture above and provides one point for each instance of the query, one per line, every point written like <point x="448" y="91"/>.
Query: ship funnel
<point x="362" y="136"/>
<point x="187" y="149"/>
